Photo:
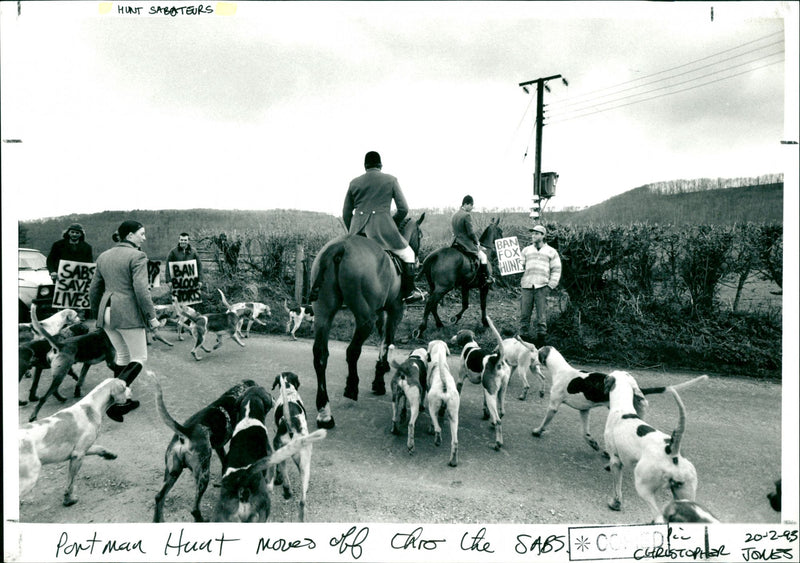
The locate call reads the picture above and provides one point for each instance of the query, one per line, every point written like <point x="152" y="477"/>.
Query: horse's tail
<point x="427" y="269"/>
<point x="330" y="256"/>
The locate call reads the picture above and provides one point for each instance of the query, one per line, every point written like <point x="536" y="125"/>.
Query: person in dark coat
<point x="182" y="253"/>
<point x="120" y="299"/>
<point x="367" y="211"/>
<point x="467" y="241"/>
<point x="71" y="246"/>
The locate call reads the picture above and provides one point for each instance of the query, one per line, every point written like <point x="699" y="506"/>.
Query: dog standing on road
<point x="215" y="323"/>
<point x="292" y="425"/>
<point x="523" y="357"/>
<point x="656" y="456"/>
<point x="207" y="430"/>
<point x="578" y="389"/>
<point x="91" y="348"/>
<point x="67" y="435"/>
<point x="491" y="370"/>
<point x="443" y="395"/>
<point x="249" y="311"/>
<point x="296" y="317"/>
<point x="244" y="496"/>
<point x="409" y="385"/>
<point x="36" y="355"/>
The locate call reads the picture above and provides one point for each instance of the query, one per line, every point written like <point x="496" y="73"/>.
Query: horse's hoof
<point x="376" y="390"/>
<point x="23" y="403"/>
<point x="537" y="433"/>
<point x="69" y="501"/>
<point x="351" y="394"/>
<point x="541" y="394"/>
<point x="327" y="424"/>
<point x="497" y="446"/>
<point x="395" y="431"/>
<point x="615" y="505"/>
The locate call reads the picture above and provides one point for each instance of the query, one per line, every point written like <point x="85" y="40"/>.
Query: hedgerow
<point x="635" y="295"/>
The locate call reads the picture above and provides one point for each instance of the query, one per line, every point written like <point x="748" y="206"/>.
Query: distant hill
<point x="164" y="226"/>
<point x="761" y="203"/>
<point x="687" y="203"/>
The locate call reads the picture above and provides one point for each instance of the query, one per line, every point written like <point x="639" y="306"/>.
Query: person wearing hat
<point x="542" y="274"/>
<point x="72" y="246"/>
<point x="467" y="241"/>
<point x="120" y="299"/>
<point x="367" y="211"/>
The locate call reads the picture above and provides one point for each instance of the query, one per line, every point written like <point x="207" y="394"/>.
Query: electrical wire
<point x="559" y="120"/>
<point x="559" y="105"/>
<point x="676" y="67"/>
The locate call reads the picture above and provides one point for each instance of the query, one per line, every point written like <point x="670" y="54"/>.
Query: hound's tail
<point x="224" y="301"/>
<point x="288" y="450"/>
<point x="684" y="385"/>
<point x="54" y="342"/>
<point x="174" y="425"/>
<point x="285" y="401"/>
<point x="497" y="336"/>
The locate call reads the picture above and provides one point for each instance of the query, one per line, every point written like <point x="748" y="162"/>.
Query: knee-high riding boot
<point x="128" y="374"/>
<point x="408" y="288"/>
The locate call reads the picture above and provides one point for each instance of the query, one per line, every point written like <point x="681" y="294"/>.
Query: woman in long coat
<point x="120" y="299"/>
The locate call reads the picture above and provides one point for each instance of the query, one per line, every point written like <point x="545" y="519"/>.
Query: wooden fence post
<point x="299" y="268"/>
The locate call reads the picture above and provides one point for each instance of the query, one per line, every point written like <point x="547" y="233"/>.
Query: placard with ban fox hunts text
<point x="72" y="284"/>
<point x="185" y="281"/>
<point x="509" y="256"/>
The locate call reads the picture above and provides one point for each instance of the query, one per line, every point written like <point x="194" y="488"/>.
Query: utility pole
<point x="540" y="88"/>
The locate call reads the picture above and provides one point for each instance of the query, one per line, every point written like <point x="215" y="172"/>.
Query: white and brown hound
<point x="297" y="315"/>
<point x="488" y="368"/>
<point x="443" y="395"/>
<point x="68" y="435"/>
<point x="409" y="385"/>
<point x="655" y="456"/>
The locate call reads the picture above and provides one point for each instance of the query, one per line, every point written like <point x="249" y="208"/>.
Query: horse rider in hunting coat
<point x="367" y="212"/>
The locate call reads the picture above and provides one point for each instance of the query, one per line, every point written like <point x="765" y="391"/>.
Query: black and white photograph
<point x="400" y="281"/>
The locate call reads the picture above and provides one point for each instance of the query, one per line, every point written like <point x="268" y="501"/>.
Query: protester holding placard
<point x="467" y="241"/>
<point x="120" y="299"/>
<point x="71" y="246"/>
<point x="183" y="253"/>
<point x="542" y="274"/>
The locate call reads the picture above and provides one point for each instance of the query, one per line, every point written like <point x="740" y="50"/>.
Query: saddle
<point x="474" y="261"/>
<point x="398" y="264"/>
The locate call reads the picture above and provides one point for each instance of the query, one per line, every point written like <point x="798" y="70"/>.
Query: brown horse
<point x="355" y="271"/>
<point x="447" y="268"/>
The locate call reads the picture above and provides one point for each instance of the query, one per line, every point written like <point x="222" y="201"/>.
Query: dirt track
<point x="363" y="473"/>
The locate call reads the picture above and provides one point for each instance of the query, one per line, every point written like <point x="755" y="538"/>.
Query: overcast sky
<point x="275" y="105"/>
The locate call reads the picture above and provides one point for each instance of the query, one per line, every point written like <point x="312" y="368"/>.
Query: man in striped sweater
<point x="542" y="274"/>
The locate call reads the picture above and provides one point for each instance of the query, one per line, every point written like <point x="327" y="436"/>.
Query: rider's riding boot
<point x="484" y="277"/>
<point x="128" y="374"/>
<point x="408" y="288"/>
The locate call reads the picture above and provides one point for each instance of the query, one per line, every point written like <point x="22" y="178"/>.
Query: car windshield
<point x="30" y="260"/>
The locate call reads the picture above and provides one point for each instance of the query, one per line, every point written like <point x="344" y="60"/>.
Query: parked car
<point x="35" y="284"/>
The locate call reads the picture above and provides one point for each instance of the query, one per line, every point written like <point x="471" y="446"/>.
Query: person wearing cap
<point x="542" y="274"/>
<point x="182" y="253"/>
<point x="72" y="246"/>
<point x="467" y="241"/>
<point x="120" y="299"/>
<point x="367" y="212"/>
